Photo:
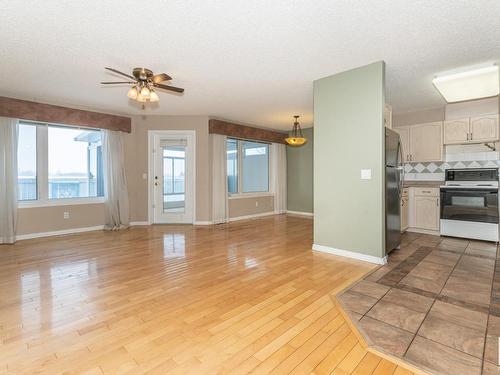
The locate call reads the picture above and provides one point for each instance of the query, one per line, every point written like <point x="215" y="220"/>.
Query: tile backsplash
<point x="435" y="170"/>
<point x="456" y="156"/>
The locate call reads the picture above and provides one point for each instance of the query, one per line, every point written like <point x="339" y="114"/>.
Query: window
<point x="75" y="166"/>
<point x="57" y="162"/>
<point x="232" y="166"/>
<point x="174" y="159"/>
<point x="26" y="163"/>
<point x="251" y="161"/>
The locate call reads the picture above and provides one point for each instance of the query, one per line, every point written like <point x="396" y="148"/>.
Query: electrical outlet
<point x="66" y="215"/>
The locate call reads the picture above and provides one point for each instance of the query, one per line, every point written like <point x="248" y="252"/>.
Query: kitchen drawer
<point x="426" y="192"/>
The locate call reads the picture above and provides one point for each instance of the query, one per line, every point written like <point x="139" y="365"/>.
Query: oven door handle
<point x="469" y="188"/>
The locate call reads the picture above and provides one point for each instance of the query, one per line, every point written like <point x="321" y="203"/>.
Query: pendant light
<point x="297" y="138"/>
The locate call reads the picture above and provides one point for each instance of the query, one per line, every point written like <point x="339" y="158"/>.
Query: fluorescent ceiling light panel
<point x="468" y="85"/>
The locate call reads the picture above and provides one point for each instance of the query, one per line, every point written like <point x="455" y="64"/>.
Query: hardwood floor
<point x="237" y="298"/>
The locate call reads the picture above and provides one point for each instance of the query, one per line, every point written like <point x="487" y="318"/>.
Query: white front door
<point x="172" y="176"/>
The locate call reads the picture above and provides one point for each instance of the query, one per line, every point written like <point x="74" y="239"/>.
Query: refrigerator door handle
<point x="400" y="167"/>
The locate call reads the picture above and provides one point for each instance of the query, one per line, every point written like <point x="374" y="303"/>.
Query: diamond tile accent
<point x="436" y="167"/>
<point x="432" y="167"/>
<point x="419" y="168"/>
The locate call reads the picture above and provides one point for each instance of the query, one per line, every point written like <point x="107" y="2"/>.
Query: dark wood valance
<point x="26" y="110"/>
<point x="245" y="132"/>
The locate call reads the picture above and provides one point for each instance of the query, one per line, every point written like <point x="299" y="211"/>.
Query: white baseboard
<point x="58" y="232"/>
<point x="246" y="217"/>
<point x="203" y="223"/>
<point x="137" y="223"/>
<point x="350" y="254"/>
<point x="301" y="213"/>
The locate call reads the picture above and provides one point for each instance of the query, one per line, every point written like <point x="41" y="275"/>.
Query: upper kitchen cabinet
<point x="471" y="130"/>
<point x="456" y="131"/>
<point x="426" y="142"/>
<point x="484" y="128"/>
<point x="421" y="142"/>
<point x="404" y="135"/>
<point x="388" y="116"/>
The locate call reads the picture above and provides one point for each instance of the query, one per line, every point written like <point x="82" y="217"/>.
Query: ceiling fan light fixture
<point x="132" y="93"/>
<point x="153" y="96"/>
<point x="296" y="139"/>
<point x="145" y="92"/>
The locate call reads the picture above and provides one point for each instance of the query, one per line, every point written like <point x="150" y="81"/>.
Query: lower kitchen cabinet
<point x="424" y="209"/>
<point x="405" y="210"/>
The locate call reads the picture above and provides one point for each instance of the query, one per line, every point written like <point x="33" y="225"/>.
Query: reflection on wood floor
<point x="243" y="297"/>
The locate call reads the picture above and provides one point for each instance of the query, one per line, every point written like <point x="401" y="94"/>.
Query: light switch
<point x="144" y="176"/>
<point x="366" y="174"/>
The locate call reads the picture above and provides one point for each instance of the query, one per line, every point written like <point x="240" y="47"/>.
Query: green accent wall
<point x="300" y="175"/>
<point x="349" y="213"/>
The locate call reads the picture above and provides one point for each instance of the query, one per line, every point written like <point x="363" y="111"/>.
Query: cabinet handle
<point x="437" y="202"/>
<point x="471" y="136"/>
<point x="426" y="191"/>
<point x="467" y="136"/>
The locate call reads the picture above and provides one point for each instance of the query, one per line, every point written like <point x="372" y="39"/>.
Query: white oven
<point x="469" y="204"/>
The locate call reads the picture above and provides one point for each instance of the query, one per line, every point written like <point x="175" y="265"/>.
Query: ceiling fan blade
<point x="157" y="78"/>
<point x="116" y="83"/>
<point x="166" y="87"/>
<point x="118" y="72"/>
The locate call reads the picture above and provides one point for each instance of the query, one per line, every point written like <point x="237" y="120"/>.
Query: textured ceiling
<point x="248" y="61"/>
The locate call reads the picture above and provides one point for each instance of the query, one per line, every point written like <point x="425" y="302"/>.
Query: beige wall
<point x="250" y="206"/>
<point x="472" y="108"/>
<point x="136" y="159"/>
<point x="418" y="117"/>
<point x="50" y="219"/>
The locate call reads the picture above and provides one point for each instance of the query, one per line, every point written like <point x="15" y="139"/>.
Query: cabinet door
<point x="404" y="213"/>
<point x="388" y="116"/>
<point x="484" y="128"/>
<point x="404" y="135"/>
<point x="426" y="213"/>
<point x="426" y="142"/>
<point x="456" y="131"/>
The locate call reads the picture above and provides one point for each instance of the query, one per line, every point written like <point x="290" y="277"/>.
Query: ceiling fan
<point x="144" y="82"/>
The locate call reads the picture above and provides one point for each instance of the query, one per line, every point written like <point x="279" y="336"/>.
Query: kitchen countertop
<point x="434" y="183"/>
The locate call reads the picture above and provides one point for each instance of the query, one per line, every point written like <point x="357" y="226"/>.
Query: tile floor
<point x="436" y="304"/>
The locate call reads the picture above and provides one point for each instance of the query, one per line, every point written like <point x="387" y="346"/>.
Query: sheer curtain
<point x="115" y="181"/>
<point x="278" y="176"/>
<point x="219" y="179"/>
<point x="8" y="179"/>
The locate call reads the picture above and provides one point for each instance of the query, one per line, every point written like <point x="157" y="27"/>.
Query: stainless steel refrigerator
<point x="393" y="188"/>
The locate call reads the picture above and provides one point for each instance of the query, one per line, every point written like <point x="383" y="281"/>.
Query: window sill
<point x="60" y="202"/>
<point x="251" y="195"/>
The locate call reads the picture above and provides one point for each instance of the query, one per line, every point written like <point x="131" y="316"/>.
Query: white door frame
<point x="177" y="133"/>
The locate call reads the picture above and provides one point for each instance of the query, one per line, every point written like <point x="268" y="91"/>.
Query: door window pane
<point x="26" y="163"/>
<point x="174" y="159"/>
<point x="255" y="167"/>
<point x="74" y="163"/>
<point x="232" y="165"/>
